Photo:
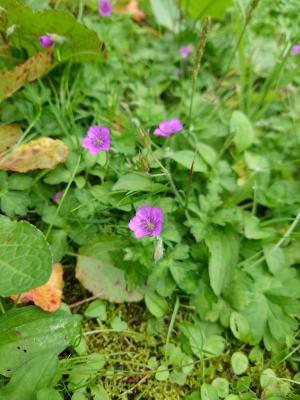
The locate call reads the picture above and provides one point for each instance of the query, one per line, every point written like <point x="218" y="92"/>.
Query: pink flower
<point x="104" y="8"/>
<point x="295" y="49"/>
<point x="97" y="139"/>
<point x="167" y="128"/>
<point x="56" y="197"/>
<point x="147" y="222"/>
<point x="184" y="52"/>
<point x="46" y="41"/>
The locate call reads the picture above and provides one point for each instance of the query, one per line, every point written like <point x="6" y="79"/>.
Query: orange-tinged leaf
<point x="9" y="135"/>
<point x="47" y="297"/>
<point x="37" y="154"/>
<point x="133" y="8"/>
<point x="33" y="68"/>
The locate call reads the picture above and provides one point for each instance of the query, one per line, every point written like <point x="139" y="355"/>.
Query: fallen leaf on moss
<point x="47" y="297"/>
<point x="43" y="153"/>
<point x="35" y="67"/>
<point x="9" y="135"/>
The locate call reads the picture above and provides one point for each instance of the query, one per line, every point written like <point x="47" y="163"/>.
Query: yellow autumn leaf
<point x="43" y="153"/>
<point x="47" y="297"/>
<point x="9" y="135"/>
<point x="34" y="67"/>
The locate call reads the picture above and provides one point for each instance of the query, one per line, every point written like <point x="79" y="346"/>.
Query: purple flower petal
<point x="97" y="139"/>
<point x="104" y="8"/>
<point x="46" y="41"/>
<point x="184" y="52"/>
<point x="56" y="197"/>
<point x="147" y="222"/>
<point x="167" y="128"/>
<point x="295" y="49"/>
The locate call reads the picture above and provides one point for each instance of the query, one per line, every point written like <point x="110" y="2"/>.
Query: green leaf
<point x="29" y="331"/>
<point x="222" y="386"/>
<point x="275" y="258"/>
<point x="97" y="309"/>
<point x="242" y="129"/>
<point x="267" y="378"/>
<point x="207" y="153"/>
<point x="25" y="257"/>
<point x="99" y="393"/>
<point x="196" y="338"/>
<point x="239" y="363"/>
<point x="15" y="203"/>
<point x="239" y="326"/>
<point x="162" y="373"/>
<point x="136" y="183"/>
<point x="80" y="44"/>
<point x="104" y="280"/>
<point x="166" y="13"/>
<point x="224" y="249"/>
<point x="156" y="304"/>
<point x="33" y="375"/>
<point x="190" y="160"/>
<point x="204" y="8"/>
<point x="208" y="392"/>
<point x="186" y="275"/>
<point x="48" y="394"/>
<point x="118" y="325"/>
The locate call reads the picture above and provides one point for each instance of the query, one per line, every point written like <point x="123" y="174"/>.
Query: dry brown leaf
<point x="47" y="297"/>
<point x="43" y="153"/>
<point x="9" y="135"/>
<point x="34" y="67"/>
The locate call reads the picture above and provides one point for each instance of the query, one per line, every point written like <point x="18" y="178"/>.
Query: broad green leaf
<point x="239" y="363"/>
<point x="190" y="160"/>
<point x="97" y="309"/>
<point x="224" y="249"/>
<point x="186" y="275"/>
<point x="79" y="42"/>
<point x="99" y="393"/>
<point x="166" y="13"/>
<point x="243" y="131"/>
<point x="136" y="183"/>
<point x="27" y="332"/>
<point x="239" y="326"/>
<point x="275" y="258"/>
<point x="25" y="257"/>
<point x="222" y="386"/>
<point x="104" y="280"/>
<point x="208" y="153"/>
<point x="48" y="394"/>
<point x="162" y="373"/>
<point x="196" y="338"/>
<point x="208" y="392"/>
<point x="204" y="8"/>
<point x="267" y="378"/>
<point x="9" y="135"/>
<point x="35" y="374"/>
<point x="214" y="346"/>
<point x="35" y="67"/>
<point x="156" y="304"/>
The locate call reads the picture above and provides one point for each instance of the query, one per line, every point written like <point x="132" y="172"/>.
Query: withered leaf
<point x="33" y="68"/>
<point x="9" y="135"/>
<point x="47" y="297"/>
<point x="43" y="153"/>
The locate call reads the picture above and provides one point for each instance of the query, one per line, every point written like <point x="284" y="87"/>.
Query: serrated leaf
<point x="104" y="280"/>
<point x="243" y="131"/>
<point x="48" y="296"/>
<point x="9" y="135"/>
<point x="27" y="332"/>
<point x="35" y="67"/>
<point x="204" y="8"/>
<point x="43" y="153"/>
<point x="80" y="44"/>
<point x="224" y="249"/>
<point x="25" y="257"/>
<point x="37" y="373"/>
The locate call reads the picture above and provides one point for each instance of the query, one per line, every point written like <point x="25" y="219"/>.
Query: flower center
<point x="149" y="226"/>
<point x="98" y="142"/>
